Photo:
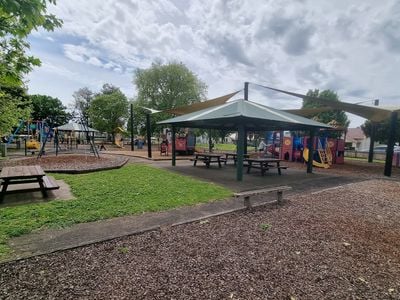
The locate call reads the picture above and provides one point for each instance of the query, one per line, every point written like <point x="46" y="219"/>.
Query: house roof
<point x="253" y="115"/>
<point x="355" y="134"/>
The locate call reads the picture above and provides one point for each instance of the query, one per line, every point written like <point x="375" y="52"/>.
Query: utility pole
<point x="132" y="138"/>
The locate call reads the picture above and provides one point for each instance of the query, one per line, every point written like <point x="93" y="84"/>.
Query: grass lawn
<point x="133" y="189"/>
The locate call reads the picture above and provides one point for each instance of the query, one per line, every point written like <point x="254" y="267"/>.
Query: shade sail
<point x="374" y="114"/>
<point x="75" y="127"/>
<point x="200" y="105"/>
<point x="241" y="112"/>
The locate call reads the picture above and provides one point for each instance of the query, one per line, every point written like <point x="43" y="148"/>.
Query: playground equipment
<point x="184" y="143"/>
<point x="118" y="139"/>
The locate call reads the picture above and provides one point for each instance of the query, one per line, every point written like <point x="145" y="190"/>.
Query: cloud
<point x="298" y="45"/>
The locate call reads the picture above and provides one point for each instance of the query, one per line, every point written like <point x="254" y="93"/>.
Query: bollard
<point x="3" y="149"/>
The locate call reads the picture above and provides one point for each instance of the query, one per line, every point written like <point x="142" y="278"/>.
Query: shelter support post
<point x="132" y="138"/>
<point x="173" y="146"/>
<point x="148" y="129"/>
<point x="390" y="145"/>
<point x="240" y="152"/>
<point x="310" y="151"/>
<point x="245" y="142"/>
<point x="210" y="148"/>
<point x="372" y="142"/>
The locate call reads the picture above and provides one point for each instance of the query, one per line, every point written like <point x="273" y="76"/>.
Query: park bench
<point x="247" y="194"/>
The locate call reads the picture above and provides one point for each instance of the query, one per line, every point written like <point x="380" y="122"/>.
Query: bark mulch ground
<point x="70" y="163"/>
<point x="341" y="243"/>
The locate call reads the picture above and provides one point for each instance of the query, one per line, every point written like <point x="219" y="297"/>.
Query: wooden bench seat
<point x="247" y="194"/>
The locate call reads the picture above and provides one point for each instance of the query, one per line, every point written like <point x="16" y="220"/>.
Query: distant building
<point x="356" y="139"/>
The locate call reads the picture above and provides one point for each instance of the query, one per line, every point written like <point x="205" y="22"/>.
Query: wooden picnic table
<point x="264" y="164"/>
<point x="23" y="175"/>
<point x="208" y="158"/>
<point x="233" y="156"/>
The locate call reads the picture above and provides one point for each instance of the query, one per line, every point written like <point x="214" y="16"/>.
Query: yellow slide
<point x="315" y="163"/>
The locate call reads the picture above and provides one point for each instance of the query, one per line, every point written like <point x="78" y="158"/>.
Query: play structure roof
<point x="253" y="116"/>
<point x="75" y="127"/>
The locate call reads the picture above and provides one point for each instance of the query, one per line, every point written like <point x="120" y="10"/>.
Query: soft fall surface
<point x="341" y="243"/>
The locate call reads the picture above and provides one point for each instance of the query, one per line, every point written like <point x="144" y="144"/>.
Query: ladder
<point x="322" y="154"/>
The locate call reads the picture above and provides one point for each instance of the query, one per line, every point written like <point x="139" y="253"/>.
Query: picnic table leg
<point x="279" y="169"/>
<point x="3" y="190"/>
<point x="42" y="188"/>
<point x="249" y="167"/>
<point x="219" y="162"/>
<point x="195" y="161"/>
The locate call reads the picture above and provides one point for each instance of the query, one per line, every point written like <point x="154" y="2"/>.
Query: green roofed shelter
<point x="75" y="127"/>
<point x="243" y="115"/>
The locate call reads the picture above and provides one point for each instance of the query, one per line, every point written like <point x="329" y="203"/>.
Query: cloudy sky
<point x="351" y="47"/>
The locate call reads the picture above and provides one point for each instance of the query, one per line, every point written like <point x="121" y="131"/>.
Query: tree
<point x="382" y="130"/>
<point x="108" y="110"/>
<point x="338" y="116"/>
<point x="82" y="99"/>
<point x="17" y="20"/>
<point x="52" y="109"/>
<point x="166" y="86"/>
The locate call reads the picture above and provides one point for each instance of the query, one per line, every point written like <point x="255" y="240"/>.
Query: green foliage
<point x="14" y="105"/>
<point x="108" y="109"/>
<point x="265" y="226"/>
<point x="164" y="87"/>
<point x="133" y="189"/>
<point x="82" y="99"/>
<point x="381" y="131"/>
<point x="17" y="20"/>
<point x="338" y="116"/>
<point x="52" y="109"/>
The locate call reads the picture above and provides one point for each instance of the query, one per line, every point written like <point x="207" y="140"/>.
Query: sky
<point x="350" y="47"/>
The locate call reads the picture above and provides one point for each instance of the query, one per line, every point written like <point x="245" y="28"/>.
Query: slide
<point x="315" y="163"/>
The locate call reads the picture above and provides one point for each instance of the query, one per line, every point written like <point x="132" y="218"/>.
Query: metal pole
<point x="310" y="152"/>
<point x="148" y="128"/>
<point x="240" y="152"/>
<point x="246" y="91"/>
<point x="390" y="146"/>
<point x="209" y="141"/>
<point x="173" y="147"/>
<point x="372" y="142"/>
<point x="132" y="139"/>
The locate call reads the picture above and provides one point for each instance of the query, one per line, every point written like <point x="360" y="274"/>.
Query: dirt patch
<point x="71" y="163"/>
<point x="337" y="244"/>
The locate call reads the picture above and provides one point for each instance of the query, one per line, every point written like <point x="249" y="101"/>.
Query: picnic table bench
<point x="208" y="158"/>
<point x="264" y="164"/>
<point x="23" y="175"/>
<point x="247" y="194"/>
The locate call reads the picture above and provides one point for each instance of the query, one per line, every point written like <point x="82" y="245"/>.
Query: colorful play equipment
<point x="185" y="143"/>
<point x="118" y="137"/>
<point x="327" y="151"/>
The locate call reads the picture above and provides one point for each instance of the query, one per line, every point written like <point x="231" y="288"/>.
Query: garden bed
<point x="70" y="163"/>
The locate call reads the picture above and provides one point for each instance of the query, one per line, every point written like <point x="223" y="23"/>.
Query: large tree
<point x="17" y="20"/>
<point x="50" y="109"/>
<point x="338" y="117"/>
<point x="108" y="109"/>
<point x="165" y="86"/>
<point x="382" y="130"/>
<point x="82" y="99"/>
